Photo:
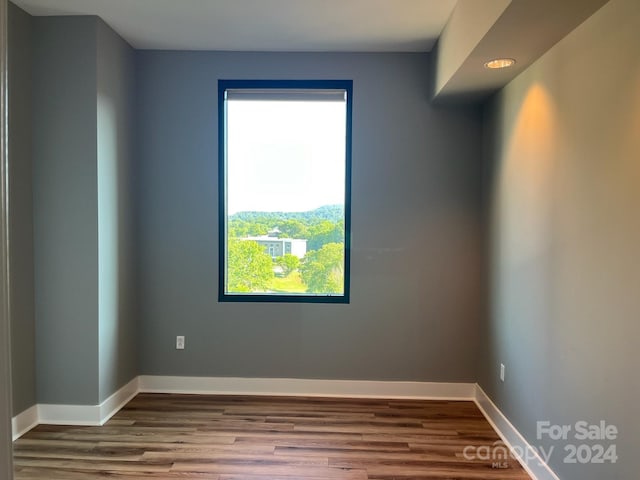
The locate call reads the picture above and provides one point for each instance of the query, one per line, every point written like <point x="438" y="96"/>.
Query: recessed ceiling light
<point x="500" y="63"/>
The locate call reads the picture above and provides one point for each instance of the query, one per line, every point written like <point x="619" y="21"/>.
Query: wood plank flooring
<point x="158" y="436"/>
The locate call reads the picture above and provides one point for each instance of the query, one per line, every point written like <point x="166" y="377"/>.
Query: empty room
<point x="320" y="239"/>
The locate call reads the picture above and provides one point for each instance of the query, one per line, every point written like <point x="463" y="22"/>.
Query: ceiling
<point x="467" y="32"/>
<point x="480" y="30"/>
<point x="265" y="25"/>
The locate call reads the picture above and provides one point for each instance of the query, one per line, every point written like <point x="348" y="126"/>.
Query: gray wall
<point x="82" y="155"/>
<point x="65" y="209"/>
<point x="564" y="187"/>
<point x="21" y="211"/>
<point x="414" y="312"/>
<point x="6" y="467"/>
<point x="116" y="303"/>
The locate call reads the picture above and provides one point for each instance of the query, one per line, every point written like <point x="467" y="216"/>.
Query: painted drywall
<point x="480" y="31"/>
<point x="116" y="299"/>
<point x="84" y="235"/>
<point x="469" y="23"/>
<point x="414" y="308"/>
<point x="65" y="209"/>
<point x="21" y="211"/>
<point x="6" y="463"/>
<point x="563" y="188"/>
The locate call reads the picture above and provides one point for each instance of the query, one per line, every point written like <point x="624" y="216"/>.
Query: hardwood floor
<point x="268" y="438"/>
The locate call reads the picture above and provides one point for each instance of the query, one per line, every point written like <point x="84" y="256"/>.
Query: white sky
<point x="285" y="155"/>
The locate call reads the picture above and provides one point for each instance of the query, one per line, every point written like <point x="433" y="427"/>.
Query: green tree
<point x="256" y="229"/>
<point x="293" y="229"/>
<point x="241" y="228"/>
<point x="249" y="267"/>
<point x="237" y="229"/>
<point x="323" y="270"/>
<point x="325" y="232"/>
<point x="288" y="263"/>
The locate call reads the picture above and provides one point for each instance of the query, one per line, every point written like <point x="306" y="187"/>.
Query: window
<point x="284" y="190"/>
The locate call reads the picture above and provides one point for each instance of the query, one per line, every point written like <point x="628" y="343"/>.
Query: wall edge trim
<point x="307" y="387"/>
<point x="24" y="421"/>
<point x="118" y="399"/>
<point x="534" y="465"/>
<point x="83" y="415"/>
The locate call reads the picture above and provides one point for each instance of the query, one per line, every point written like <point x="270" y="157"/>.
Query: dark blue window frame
<point x="223" y="86"/>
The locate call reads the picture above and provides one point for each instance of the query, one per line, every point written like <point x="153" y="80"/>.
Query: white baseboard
<point x="52" y="414"/>
<point x="119" y="399"/>
<point x="307" y="387"/>
<point x="88" y="414"/>
<point x="24" y="421"/>
<point x="513" y="439"/>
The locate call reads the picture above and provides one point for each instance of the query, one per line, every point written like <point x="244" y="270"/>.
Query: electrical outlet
<point x="502" y="372"/>
<point x="180" y="342"/>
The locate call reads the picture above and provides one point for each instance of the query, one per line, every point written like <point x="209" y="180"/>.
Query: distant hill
<point x="333" y="213"/>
